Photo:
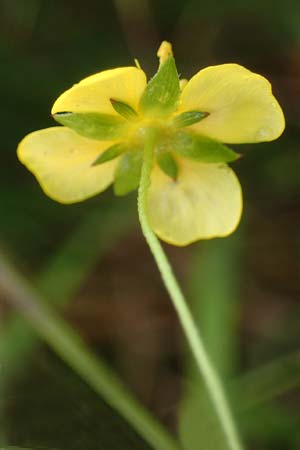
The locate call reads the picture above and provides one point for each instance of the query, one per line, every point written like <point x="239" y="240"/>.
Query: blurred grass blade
<point x="249" y="395"/>
<point x="199" y="427"/>
<point x="271" y="424"/>
<point x="59" y="281"/>
<point x="212" y="287"/>
<point x="267" y="382"/>
<point x="63" y="276"/>
<point x="66" y="343"/>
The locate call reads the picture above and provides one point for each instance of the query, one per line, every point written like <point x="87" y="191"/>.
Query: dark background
<point x="92" y="257"/>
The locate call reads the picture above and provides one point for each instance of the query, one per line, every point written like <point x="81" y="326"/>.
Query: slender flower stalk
<point x="189" y="326"/>
<point x="120" y="129"/>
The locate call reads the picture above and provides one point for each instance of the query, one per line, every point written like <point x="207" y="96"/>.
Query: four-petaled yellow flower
<point x="193" y="193"/>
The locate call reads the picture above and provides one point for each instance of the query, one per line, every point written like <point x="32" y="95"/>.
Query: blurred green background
<point x="91" y="259"/>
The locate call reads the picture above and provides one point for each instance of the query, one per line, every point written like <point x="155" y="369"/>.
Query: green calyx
<point x="128" y="129"/>
<point x="93" y="125"/>
<point x="188" y="118"/>
<point x="200" y="148"/>
<point x="128" y="172"/>
<point x="168" y="165"/>
<point x="162" y="92"/>
<point x="124" y="110"/>
<point x="111" y="153"/>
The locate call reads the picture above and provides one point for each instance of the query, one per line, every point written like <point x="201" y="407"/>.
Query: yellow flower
<point x="193" y="193"/>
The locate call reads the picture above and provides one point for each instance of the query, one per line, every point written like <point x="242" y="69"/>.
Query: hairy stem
<point x="211" y="379"/>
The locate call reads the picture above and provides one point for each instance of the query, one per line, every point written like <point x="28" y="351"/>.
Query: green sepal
<point x="168" y="165"/>
<point x="92" y="125"/>
<point x="111" y="153"/>
<point x="188" y="118"/>
<point x="162" y="92"/>
<point x="124" y="110"/>
<point x="200" y="148"/>
<point x="128" y="173"/>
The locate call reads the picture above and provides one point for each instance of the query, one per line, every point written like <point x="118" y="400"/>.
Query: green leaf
<point x="93" y="125"/>
<point x="218" y="310"/>
<point x="168" y="165"/>
<point x="128" y="173"/>
<point x="111" y="153"/>
<point x="199" y="426"/>
<point x="201" y="148"/>
<point x="162" y="92"/>
<point x="189" y="118"/>
<point x="124" y="110"/>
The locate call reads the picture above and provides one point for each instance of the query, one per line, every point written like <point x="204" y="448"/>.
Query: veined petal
<point x="240" y="103"/>
<point x="204" y="202"/>
<point x="62" y="162"/>
<point x="93" y="93"/>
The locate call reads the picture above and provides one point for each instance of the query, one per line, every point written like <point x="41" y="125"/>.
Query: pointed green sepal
<point x="200" y="148"/>
<point x="162" y="92"/>
<point x="93" y="125"/>
<point x="168" y="165"/>
<point x="128" y="173"/>
<point x="124" y="110"/>
<point x="111" y="153"/>
<point x="188" y="118"/>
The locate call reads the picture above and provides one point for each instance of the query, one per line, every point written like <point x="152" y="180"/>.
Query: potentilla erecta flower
<point x="194" y="194"/>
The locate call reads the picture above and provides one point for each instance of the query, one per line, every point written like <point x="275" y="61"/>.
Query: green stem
<point x="193" y="337"/>
<point x="69" y="346"/>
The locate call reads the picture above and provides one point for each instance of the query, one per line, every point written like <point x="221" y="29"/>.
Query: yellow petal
<point x="204" y="202"/>
<point x="241" y="105"/>
<point x="61" y="161"/>
<point x="93" y="93"/>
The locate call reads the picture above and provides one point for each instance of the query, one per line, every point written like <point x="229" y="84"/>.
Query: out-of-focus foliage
<point x="245" y="291"/>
